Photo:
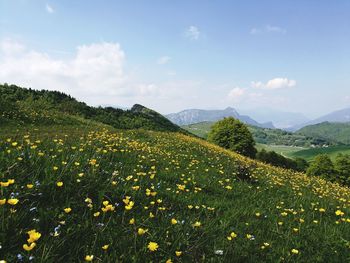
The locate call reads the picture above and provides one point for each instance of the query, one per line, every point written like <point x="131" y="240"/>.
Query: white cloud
<point x="94" y="74"/>
<point x="276" y="83"/>
<point x="275" y="29"/>
<point x="236" y="94"/>
<point x="192" y="33"/>
<point x="148" y="90"/>
<point x="268" y="29"/>
<point x="163" y="60"/>
<point x="49" y="9"/>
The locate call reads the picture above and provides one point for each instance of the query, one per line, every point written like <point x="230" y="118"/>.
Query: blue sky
<point x="173" y="55"/>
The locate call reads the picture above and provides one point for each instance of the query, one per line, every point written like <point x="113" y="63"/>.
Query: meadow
<point x="331" y="151"/>
<point x="82" y="194"/>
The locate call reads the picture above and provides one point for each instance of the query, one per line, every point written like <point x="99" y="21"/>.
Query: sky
<point x="175" y="55"/>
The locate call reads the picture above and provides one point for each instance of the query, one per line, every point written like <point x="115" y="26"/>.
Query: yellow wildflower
<point x="12" y="201"/>
<point x="152" y="246"/>
<point x="30" y="247"/>
<point x="67" y="210"/>
<point x="89" y="257"/>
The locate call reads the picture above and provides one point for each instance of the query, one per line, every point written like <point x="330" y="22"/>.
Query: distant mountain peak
<point x="192" y="116"/>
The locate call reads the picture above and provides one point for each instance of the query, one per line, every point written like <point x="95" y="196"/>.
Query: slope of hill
<point x="139" y="196"/>
<point x="336" y="132"/>
<point x="264" y="135"/>
<point x="195" y="116"/>
<point x="26" y="106"/>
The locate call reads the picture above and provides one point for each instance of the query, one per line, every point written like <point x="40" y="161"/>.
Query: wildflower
<point x="232" y="236"/>
<point x="178" y="253"/>
<point x="67" y="210"/>
<point x="129" y="205"/>
<point x="29" y="186"/>
<point x="30" y="247"/>
<point x="284" y="214"/>
<point x="132" y="221"/>
<point x="250" y="237"/>
<point x="59" y="184"/>
<point x="197" y="224"/>
<point x="322" y="210"/>
<point x="173" y="221"/>
<point x="295" y="251"/>
<point x="33" y="236"/>
<point x="152" y="246"/>
<point x="12" y="201"/>
<point x="169" y="261"/>
<point x="339" y="213"/>
<point x="2" y="201"/>
<point x="257" y="214"/>
<point x="89" y="257"/>
<point x="219" y="252"/>
<point x="141" y="231"/>
<point x="105" y="247"/>
<point x="4" y="184"/>
<point x="96" y="214"/>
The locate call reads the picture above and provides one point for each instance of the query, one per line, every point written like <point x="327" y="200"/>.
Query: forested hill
<point x="336" y="132"/>
<point x="19" y="106"/>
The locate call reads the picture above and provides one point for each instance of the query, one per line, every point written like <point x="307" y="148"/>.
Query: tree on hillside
<point x="232" y="134"/>
<point x="322" y="166"/>
<point x="342" y="168"/>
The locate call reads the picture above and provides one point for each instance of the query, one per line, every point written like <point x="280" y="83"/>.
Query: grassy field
<point x="284" y="150"/>
<point x="309" y="154"/>
<point x="73" y="195"/>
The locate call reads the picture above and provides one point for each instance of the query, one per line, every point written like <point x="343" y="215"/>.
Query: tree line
<point x="232" y="134"/>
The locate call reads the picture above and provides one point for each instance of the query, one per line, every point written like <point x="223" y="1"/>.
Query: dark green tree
<point x="232" y="134"/>
<point x="322" y="166"/>
<point x="342" y="168"/>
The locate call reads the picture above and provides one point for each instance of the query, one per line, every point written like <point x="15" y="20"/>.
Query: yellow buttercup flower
<point x="2" y="201"/>
<point x="132" y="221"/>
<point x="339" y="213"/>
<point x="89" y="257"/>
<point x="96" y="214"/>
<point x="295" y="251"/>
<point x="33" y="236"/>
<point x="152" y="246"/>
<point x="30" y="247"/>
<point x="173" y="221"/>
<point x="141" y="231"/>
<point x="12" y="201"/>
<point x="197" y="224"/>
<point x="59" y="184"/>
<point x="178" y="253"/>
<point x="105" y="247"/>
<point x="67" y="210"/>
<point x="30" y="186"/>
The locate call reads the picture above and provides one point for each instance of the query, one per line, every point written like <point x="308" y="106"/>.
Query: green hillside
<point x="20" y="106"/>
<point x="85" y="191"/>
<point x="264" y="135"/>
<point x="336" y="132"/>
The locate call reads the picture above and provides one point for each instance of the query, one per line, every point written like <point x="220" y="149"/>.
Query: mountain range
<point x="191" y="116"/>
<point x="339" y="116"/>
<point x="264" y="118"/>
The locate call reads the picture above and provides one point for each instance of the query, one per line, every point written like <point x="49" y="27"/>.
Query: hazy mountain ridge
<point x="192" y="116"/>
<point x="339" y="116"/>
